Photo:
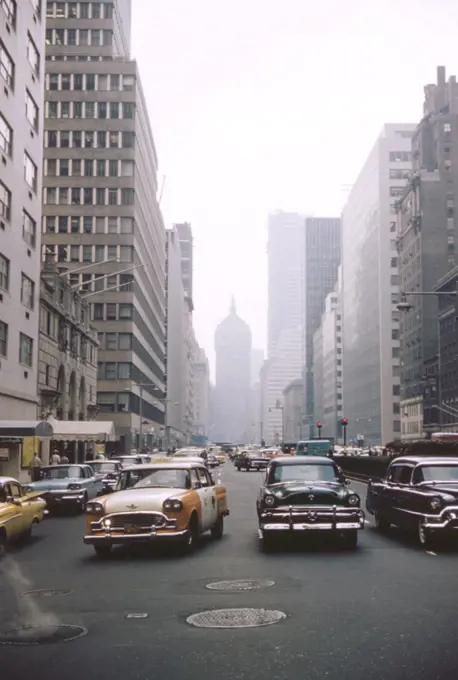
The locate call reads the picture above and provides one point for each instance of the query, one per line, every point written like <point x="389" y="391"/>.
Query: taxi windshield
<point x="303" y="473"/>
<point x="436" y="473"/>
<point x="167" y="478"/>
<point x="62" y="472"/>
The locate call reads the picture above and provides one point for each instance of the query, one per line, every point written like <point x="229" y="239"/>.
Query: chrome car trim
<point x="118" y="539"/>
<point x="328" y="526"/>
<point x="167" y="523"/>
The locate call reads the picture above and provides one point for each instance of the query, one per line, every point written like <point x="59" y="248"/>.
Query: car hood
<point x="309" y="493"/>
<point x="52" y="484"/>
<point x="442" y="487"/>
<point x="143" y="499"/>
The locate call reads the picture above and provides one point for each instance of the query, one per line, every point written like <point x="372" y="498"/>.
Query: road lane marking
<point x="430" y="552"/>
<point x="140" y="615"/>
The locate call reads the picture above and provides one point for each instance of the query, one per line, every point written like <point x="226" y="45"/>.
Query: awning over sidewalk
<point x="82" y="430"/>
<point x="26" y="428"/>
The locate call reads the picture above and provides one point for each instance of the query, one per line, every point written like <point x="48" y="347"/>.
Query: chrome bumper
<point x="57" y="499"/>
<point x="107" y="538"/>
<point x="446" y="520"/>
<point x="312" y="519"/>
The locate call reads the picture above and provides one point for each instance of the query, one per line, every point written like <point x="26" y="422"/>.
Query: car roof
<point x="64" y="465"/>
<point x="302" y="460"/>
<point x="417" y="460"/>
<point x="168" y="466"/>
<point x="4" y="480"/>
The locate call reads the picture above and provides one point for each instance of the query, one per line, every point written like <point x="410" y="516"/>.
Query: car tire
<point x="218" y="529"/>
<point x="268" y="542"/>
<point x="381" y="523"/>
<point x="190" y="541"/>
<point x="350" y="539"/>
<point x="425" y="537"/>
<point x="102" y="551"/>
<point x="83" y="503"/>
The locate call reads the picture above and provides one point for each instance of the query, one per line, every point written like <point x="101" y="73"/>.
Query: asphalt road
<point x="384" y="612"/>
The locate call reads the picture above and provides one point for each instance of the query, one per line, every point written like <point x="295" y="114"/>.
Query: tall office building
<point x="100" y="204"/>
<point x="285" y="359"/>
<point x="427" y="238"/>
<point x="322" y="261"/>
<point x="184" y="232"/>
<point x="371" y="289"/>
<point x="22" y="44"/>
<point x="232" y="415"/>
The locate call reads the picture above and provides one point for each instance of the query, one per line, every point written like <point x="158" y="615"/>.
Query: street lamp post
<point x="319" y="426"/>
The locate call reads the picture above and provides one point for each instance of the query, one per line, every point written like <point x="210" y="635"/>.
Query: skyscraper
<point x="371" y="289"/>
<point x="22" y="43"/>
<point x="232" y="416"/>
<point x="100" y="207"/>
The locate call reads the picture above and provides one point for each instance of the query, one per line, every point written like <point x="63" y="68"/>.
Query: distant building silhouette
<point x="232" y="413"/>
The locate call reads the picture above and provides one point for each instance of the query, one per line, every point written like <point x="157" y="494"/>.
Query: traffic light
<point x="344" y="421"/>
<point x="319" y="424"/>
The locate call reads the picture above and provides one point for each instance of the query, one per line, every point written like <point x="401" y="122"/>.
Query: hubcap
<point x="421" y="533"/>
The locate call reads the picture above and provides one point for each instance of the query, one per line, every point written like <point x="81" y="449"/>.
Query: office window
<point x="127" y="196"/>
<point x="114" y="140"/>
<point x="59" y="35"/>
<point x="395" y="352"/>
<point x="53" y="81"/>
<point x="127" y="110"/>
<point x="6" y="66"/>
<point x="10" y="9"/>
<point x="127" y="168"/>
<point x="97" y="311"/>
<point x="125" y="311"/>
<point x="124" y="371"/>
<point x="33" y="55"/>
<point x="396" y="390"/>
<point x="87" y="225"/>
<point x="395" y="334"/>
<point x="4" y="273"/>
<point x="65" y="109"/>
<point x="30" y="172"/>
<point x="52" y="138"/>
<point x="71" y="36"/>
<point x="25" y="349"/>
<point x="112" y="197"/>
<point x="128" y="139"/>
<point x="90" y="80"/>
<point x="114" y="81"/>
<point x="102" y="110"/>
<point x="99" y="253"/>
<point x="29" y="229"/>
<point x="76" y="196"/>
<point x="125" y="341"/>
<point x="112" y="252"/>
<point x="114" y="110"/>
<point x="84" y="36"/>
<point x="76" y="167"/>
<point x="76" y="139"/>
<point x="111" y="341"/>
<point x="100" y="168"/>
<point x="88" y="167"/>
<point x="63" y="196"/>
<point x="6" y="137"/>
<point x="394" y="262"/>
<point x="52" y="110"/>
<point x="112" y="225"/>
<point x="87" y="253"/>
<point x="447" y="128"/>
<point x="27" y="292"/>
<point x="3" y="339"/>
<point x="126" y="254"/>
<point x="127" y="225"/>
<point x="65" y="139"/>
<point x="100" y="224"/>
<point x="128" y="83"/>
<point x="51" y="167"/>
<point x="87" y="196"/>
<point x="113" y="168"/>
<point x="100" y="196"/>
<point x="63" y="224"/>
<point x="111" y="311"/>
<point x="394" y="280"/>
<point x="78" y="81"/>
<point x="101" y="139"/>
<point x="108" y="10"/>
<point x="50" y="225"/>
<point x="65" y="81"/>
<point x="74" y="224"/>
<point x="31" y="110"/>
<point x="64" y="170"/>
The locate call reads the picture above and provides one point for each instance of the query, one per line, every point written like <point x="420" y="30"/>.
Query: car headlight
<point x="353" y="499"/>
<point x="435" y="503"/>
<point x="94" y="508"/>
<point x="269" y="500"/>
<point x="75" y="487"/>
<point x="172" y="505"/>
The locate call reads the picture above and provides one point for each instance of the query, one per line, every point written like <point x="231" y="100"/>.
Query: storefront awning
<point x="25" y="428"/>
<point x="83" y="430"/>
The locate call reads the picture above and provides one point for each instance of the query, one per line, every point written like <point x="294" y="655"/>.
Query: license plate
<point x="130" y="528"/>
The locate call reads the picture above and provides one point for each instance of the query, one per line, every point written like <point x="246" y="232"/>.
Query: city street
<point x="385" y="611"/>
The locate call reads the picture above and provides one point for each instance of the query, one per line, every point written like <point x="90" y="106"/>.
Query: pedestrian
<point x="35" y="467"/>
<point x="55" y="458"/>
<point x="64" y="459"/>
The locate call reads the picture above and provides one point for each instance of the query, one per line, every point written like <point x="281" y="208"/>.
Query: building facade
<point x="322" y="261"/>
<point x="427" y="234"/>
<point x="185" y="237"/>
<point x="201" y="376"/>
<point x="101" y="215"/>
<point x="370" y="274"/>
<point x="232" y="386"/>
<point x="293" y="399"/>
<point x="22" y="58"/>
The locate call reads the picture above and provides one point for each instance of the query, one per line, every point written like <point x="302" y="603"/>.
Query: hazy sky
<point x="264" y="104"/>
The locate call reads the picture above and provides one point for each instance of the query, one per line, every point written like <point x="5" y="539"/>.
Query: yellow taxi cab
<point x="167" y="501"/>
<point x="19" y="511"/>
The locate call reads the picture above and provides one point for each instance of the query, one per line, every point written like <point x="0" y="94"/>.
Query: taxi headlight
<point x="435" y="503"/>
<point x="353" y="499"/>
<point x="269" y="500"/>
<point x="74" y="487"/>
<point x="94" y="508"/>
<point x="172" y="505"/>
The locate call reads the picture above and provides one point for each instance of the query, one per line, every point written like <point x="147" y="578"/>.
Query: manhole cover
<point x="41" y="635"/>
<point x="237" y="586"/>
<point x="46" y="592"/>
<point x="235" y="618"/>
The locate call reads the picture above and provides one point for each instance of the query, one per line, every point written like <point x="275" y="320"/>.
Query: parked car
<point x="20" y="509"/>
<point x="304" y="494"/>
<point x="173" y="501"/>
<point x="418" y="494"/>
<point x="66" y="486"/>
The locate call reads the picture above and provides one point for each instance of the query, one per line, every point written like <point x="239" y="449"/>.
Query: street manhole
<point x="238" y="586"/>
<point x="41" y="635"/>
<point x="45" y="592"/>
<point x="235" y="618"/>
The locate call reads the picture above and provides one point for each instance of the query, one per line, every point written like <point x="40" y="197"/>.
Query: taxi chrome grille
<point x="310" y="498"/>
<point x="142" y="520"/>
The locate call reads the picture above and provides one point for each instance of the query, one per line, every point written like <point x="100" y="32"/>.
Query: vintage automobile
<point x="106" y="472"/>
<point x="19" y="511"/>
<point x="418" y="494"/>
<point x="304" y="494"/>
<point x="128" y="460"/>
<point x="69" y="486"/>
<point x="251" y="461"/>
<point x="169" y="502"/>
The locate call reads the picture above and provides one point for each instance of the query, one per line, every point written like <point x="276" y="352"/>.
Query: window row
<point x="400" y="173"/>
<point x="90" y="81"/>
<point x="88" y="196"/>
<point x="88" y="225"/>
<point x="29" y="226"/>
<point x="400" y="156"/>
<point x="9" y="8"/>
<point x="97" y="253"/>
<point x="27" y="285"/>
<point x="25" y="345"/>
<point x="79" y="36"/>
<point x="112" y="370"/>
<point x="78" y="109"/>
<point x="112" y="311"/>
<point x="89" y="283"/>
<point x="77" y="139"/>
<point x="8" y="67"/>
<point x="79" y="10"/>
<point x="115" y="341"/>
<point x="90" y="167"/>
<point x="110" y="402"/>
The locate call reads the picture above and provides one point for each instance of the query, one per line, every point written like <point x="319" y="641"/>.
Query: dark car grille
<point x="141" y="520"/>
<point x="305" y="499"/>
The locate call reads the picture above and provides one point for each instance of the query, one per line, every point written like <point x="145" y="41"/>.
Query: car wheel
<point x="83" y="503"/>
<point x="218" y="529"/>
<point x="192" y="534"/>
<point x="381" y="523"/>
<point x="424" y="536"/>
<point x="268" y="542"/>
<point x="102" y="551"/>
<point x="350" y="539"/>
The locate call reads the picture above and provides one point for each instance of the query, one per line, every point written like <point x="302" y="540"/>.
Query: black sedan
<point x="251" y="461"/>
<point x="308" y="494"/>
<point x="418" y="494"/>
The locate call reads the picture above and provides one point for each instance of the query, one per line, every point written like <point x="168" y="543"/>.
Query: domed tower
<point x="233" y="376"/>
